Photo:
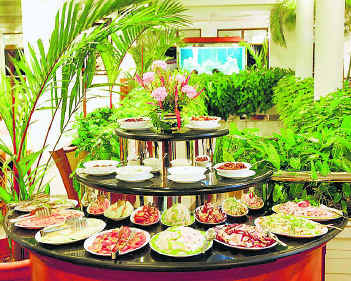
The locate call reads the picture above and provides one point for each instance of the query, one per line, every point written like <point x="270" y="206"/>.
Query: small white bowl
<point x="180" y="162"/>
<point x="127" y="171"/>
<point x="186" y="171"/>
<point x="231" y="172"/>
<point x="128" y="124"/>
<point x="202" y="163"/>
<point x="205" y="123"/>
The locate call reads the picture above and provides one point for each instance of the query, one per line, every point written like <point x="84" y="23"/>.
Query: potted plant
<point x="170" y="92"/>
<point x="55" y="74"/>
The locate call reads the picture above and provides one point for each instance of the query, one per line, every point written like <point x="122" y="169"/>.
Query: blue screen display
<point x="206" y="59"/>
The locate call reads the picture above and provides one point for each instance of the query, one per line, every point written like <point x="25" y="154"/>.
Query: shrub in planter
<point x="247" y="92"/>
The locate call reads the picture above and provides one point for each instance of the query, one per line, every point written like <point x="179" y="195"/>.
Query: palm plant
<point x="54" y="75"/>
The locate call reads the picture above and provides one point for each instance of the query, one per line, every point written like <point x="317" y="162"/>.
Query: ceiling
<point x="10" y="16"/>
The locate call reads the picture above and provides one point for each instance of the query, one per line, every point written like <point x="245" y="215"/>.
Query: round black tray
<point x="211" y="185"/>
<point x="184" y="135"/>
<point x="219" y="257"/>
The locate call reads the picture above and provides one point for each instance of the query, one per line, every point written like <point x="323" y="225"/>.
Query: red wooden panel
<point x="234" y="39"/>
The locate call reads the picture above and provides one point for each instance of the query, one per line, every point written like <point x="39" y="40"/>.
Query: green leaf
<point x="337" y="197"/>
<point x="346" y="188"/>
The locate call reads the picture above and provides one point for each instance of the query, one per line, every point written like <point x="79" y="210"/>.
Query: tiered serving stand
<point x="303" y="259"/>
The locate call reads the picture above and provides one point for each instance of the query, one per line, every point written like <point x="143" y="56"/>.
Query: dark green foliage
<point x="95" y="134"/>
<point x="248" y="92"/>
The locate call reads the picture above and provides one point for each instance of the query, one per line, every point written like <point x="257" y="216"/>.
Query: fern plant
<point x="55" y="74"/>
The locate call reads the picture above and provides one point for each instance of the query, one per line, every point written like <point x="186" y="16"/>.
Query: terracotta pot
<point x="14" y="271"/>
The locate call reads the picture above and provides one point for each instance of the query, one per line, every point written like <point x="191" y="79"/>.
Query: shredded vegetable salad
<point x="252" y="200"/>
<point x="288" y="225"/>
<point x="178" y="241"/>
<point x="234" y="207"/>
<point x="210" y="213"/>
<point x="243" y="236"/>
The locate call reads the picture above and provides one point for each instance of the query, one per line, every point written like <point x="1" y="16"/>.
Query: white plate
<point x="177" y="256"/>
<point x="99" y="171"/>
<point x="108" y="163"/>
<point x="139" y="178"/>
<point x="245" y="248"/>
<point x="275" y="209"/>
<point x="68" y="212"/>
<point x="94" y="226"/>
<point x="133" y="171"/>
<point x="208" y="223"/>
<point x="141" y="128"/>
<point x="90" y="241"/>
<point x="135" y="125"/>
<point x="180" y="179"/>
<point x="140" y="208"/>
<point x="187" y="171"/>
<point x="211" y="126"/>
<point x="241" y="174"/>
<point x="325" y="230"/>
<point x="68" y="203"/>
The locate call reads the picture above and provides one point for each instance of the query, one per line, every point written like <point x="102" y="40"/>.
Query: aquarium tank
<point x="228" y="59"/>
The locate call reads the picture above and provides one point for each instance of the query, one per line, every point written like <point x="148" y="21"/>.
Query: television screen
<point x="212" y="59"/>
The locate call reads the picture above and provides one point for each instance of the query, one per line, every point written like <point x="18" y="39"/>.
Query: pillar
<point x="304" y="38"/>
<point x="329" y="50"/>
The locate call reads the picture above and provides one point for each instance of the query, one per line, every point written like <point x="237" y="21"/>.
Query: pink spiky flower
<point x="159" y="94"/>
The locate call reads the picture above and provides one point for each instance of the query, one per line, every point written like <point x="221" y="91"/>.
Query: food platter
<point x="291" y="226"/>
<point x="232" y="206"/>
<point x="67" y="236"/>
<point x="238" y="175"/>
<point x="57" y="217"/>
<point x="119" y="210"/>
<point x="135" y="123"/>
<point x="150" y="214"/>
<point x="134" y="239"/>
<point x="214" y="214"/>
<point x="97" y="208"/>
<point x="28" y="206"/>
<point x="252" y="201"/>
<point x="180" y="242"/>
<point x="177" y="215"/>
<point x="206" y="127"/>
<point x="243" y="237"/>
<point x="321" y="213"/>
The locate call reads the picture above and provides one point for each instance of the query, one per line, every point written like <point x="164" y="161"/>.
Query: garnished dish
<point x="234" y="169"/>
<point x="66" y="235"/>
<point x="202" y="160"/>
<point x="252" y="201"/>
<point x="304" y="209"/>
<point x="205" y="118"/>
<point x="243" y="236"/>
<point x="234" y="208"/>
<point x="204" y="122"/>
<point x="233" y="166"/>
<point x="100" y="167"/>
<point x="124" y="239"/>
<point x="177" y="215"/>
<point x="28" y="206"/>
<point x="180" y="241"/>
<point x="210" y="213"/>
<point x="57" y="216"/>
<point x="98" y="207"/>
<point x="135" y="123"/>
<point x="120" y="210"/>
<point x="145" y="215"/>
<point x="291" y="226"/>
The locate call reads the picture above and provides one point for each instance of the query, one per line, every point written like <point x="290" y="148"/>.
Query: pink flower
<point x="159" y="94"/>
<point x="148" y="77"/>
<point x="180" y="78"/>
<point x="189" y="91"/>
<point x="159" y="64"/>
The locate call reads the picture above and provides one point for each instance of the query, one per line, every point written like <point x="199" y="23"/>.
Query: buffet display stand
<point x="303" y="259"/>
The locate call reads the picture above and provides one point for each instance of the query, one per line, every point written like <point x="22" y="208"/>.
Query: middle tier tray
<point x="155" y="187"/>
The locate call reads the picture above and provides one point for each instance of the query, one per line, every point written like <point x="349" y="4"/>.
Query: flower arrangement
<point x="170" y="90"/>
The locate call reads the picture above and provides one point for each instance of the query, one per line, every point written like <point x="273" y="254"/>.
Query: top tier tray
<point x="184" y="135"/>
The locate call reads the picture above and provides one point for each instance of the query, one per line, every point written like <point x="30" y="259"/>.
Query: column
<point x="329" y="50"/>
<point x="304" y="37"/>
